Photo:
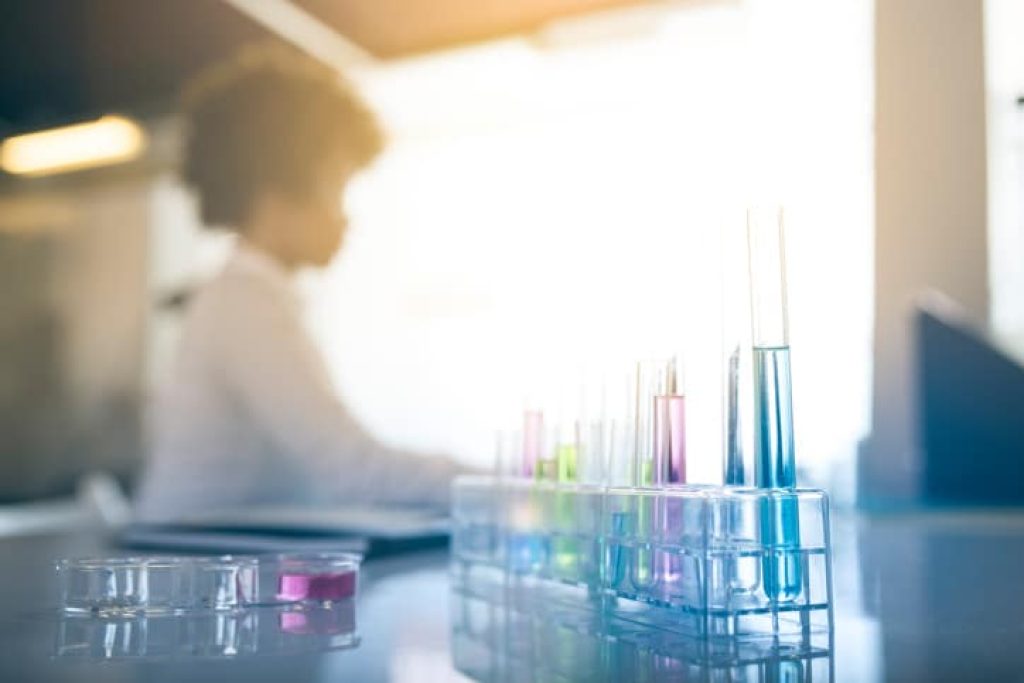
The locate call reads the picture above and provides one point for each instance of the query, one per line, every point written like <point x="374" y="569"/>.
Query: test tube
<point x="735" y="471"/>
<point x="670" y="427"/>
<point x="775" y="464"/>
<point x="652" y="383"/>
<point x="508" y="452"/>
<point x="592" y="435"/>
<point x="533" y="441"/>
<point x="527" y="547"/>
<point x="660" y="424"/>
<point x="669" y="460"/>
<point x="562" y="461"/>
<point x="620" y="435"/>
<point x="565" y="438"/>
<point x="737" y="390"/>
<point x="774" y="446"/>
<point x="620" y="428"/>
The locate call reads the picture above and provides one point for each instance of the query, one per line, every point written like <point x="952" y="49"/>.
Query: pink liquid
<point x="669" y="439"/>
<point x="533" y="435"/>
<point x="334" y="586"/>
<point x="320" y="621"/>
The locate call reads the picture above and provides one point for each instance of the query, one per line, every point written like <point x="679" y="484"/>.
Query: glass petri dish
<point x="103" y="586"/>
<point x="220" y="583"/>
<point x="156" y="585"/>
<point x="308" y="578"/>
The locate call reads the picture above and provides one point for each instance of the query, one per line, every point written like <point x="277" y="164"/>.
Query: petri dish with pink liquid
<point x="309" y="578"/>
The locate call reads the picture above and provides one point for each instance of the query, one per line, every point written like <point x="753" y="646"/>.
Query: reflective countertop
<point x="930" y="596"/>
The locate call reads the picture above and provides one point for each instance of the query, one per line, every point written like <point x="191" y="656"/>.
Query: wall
<point x="930" y="214"/>
<point x="73" y="301"/>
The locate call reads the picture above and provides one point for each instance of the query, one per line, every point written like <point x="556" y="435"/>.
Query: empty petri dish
<point x="156" y="585"/>
<point x="220" y="583"/>
<point x="106" y="586"/>
<point x="309" y="577"/>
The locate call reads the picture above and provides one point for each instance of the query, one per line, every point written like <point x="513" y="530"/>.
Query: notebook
<point x="371" y="530"/>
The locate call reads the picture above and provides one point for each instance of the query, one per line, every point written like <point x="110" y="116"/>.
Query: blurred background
<point x="558" y="178"/>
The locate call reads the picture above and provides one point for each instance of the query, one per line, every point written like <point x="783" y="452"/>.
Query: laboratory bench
<point x="922" y="596"/>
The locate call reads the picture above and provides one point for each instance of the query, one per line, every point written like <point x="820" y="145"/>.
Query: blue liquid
<point x="775" y="467"/>
<point x="735" y="468"/>
<point x="775" y="464"/>
<point x="527" y="552"/>
<point x="618" y="560"/>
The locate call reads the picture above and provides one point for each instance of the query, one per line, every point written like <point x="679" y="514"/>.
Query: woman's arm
<point x="280" y="378"/>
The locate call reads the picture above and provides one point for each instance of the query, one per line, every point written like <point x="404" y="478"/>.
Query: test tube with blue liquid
<point x="774" y="446"/>
<point x="527" y="547"/>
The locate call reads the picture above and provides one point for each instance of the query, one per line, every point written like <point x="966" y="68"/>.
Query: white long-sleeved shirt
<point x="250" y="415"/>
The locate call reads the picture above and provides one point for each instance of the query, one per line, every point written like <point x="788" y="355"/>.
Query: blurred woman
<point x="250" y="415"/>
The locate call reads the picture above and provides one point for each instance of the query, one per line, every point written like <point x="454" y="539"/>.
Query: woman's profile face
<point x="319" y="224"/>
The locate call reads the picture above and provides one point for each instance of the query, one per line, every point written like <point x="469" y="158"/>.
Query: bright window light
<point x="550" y="204"/>
<point x="1004" y="77"/>
<point x="107" y="140"/>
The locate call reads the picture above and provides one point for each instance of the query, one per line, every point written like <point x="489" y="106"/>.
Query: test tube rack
<point x="741" y="570"/>
<point x="498" y="640"/>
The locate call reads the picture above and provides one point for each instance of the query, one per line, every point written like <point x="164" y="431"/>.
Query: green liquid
<point x="645" y="473"/>
<point x="547" y="469"/>
<point x="565" y="458"/>
<point x="565" y="549"/>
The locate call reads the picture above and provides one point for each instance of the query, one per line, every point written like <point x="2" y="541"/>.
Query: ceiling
<point x="68" y="60"/>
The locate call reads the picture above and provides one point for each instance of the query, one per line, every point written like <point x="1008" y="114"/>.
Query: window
<point x="558" y="199"/>
<point x="1004" y="66"/>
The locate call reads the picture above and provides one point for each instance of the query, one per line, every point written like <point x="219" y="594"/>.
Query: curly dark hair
<point x="268" y="119"/>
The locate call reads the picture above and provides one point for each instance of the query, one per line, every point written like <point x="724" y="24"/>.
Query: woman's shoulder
<point x="238" y="295"/>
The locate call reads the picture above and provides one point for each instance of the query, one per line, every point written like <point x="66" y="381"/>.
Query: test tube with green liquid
<point x="561" y="469"/>
<point x="651" y="386"/>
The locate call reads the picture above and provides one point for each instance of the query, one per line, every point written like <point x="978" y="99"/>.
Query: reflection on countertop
<point x="927" y="596"/>
<point x="257" y="631"/>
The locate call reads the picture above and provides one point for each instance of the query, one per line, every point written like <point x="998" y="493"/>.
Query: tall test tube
<point x="774" y="446"/>
<point x="737" y="391"/>
<point x="775" y="461"/>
